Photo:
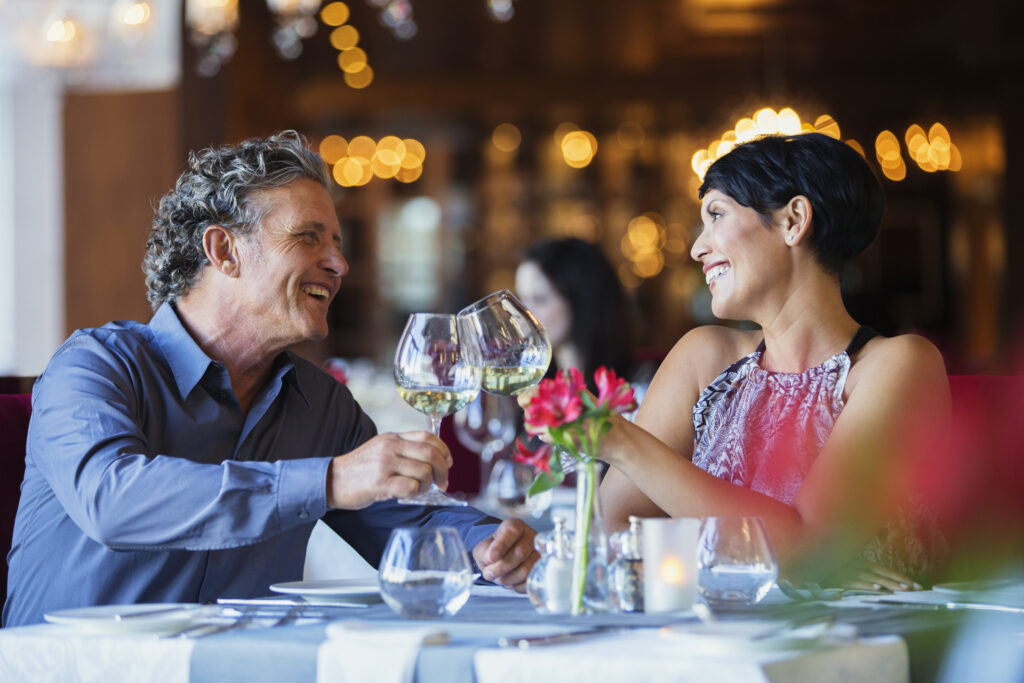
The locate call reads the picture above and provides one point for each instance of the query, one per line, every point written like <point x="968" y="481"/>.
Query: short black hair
<point x="600" y="328"/>
<point x="846" y="197"/>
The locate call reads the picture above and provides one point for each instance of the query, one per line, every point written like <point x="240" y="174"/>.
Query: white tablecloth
<point x="51" y="653"/>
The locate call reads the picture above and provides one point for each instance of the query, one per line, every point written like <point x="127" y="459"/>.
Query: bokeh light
<point x="334" y="13"/>
<point x="506" y="137"/>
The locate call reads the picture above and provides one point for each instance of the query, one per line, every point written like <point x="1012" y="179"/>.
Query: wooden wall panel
<point x="122" y="152"/>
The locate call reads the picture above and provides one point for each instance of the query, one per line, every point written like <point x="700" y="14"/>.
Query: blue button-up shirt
<point x="145" y="482"/>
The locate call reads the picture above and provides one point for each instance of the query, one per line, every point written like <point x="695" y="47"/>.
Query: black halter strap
<point x="862" y="336"/>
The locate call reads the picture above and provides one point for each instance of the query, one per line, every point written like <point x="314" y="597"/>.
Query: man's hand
<point x="387" y="466"/>
<point x="507" y="555"/>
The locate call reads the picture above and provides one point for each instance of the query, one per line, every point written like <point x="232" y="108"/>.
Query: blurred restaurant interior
<point x="461" y="131"/>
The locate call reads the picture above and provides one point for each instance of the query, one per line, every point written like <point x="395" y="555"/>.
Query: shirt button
<point x="303" y="514"/>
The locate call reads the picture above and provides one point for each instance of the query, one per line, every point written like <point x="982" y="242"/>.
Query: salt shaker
<point x="549" y="585"/>
<point x="627" y="570"/>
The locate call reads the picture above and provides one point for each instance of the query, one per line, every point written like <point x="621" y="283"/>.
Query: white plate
<point x="143" y="618"/>
<point x="345" y="590"/>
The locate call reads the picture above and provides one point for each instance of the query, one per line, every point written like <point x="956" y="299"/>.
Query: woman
<point x="809" y="422"/>
<point x="575" y="294"/>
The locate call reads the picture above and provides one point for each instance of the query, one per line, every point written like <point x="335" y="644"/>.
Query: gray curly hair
<point x="218" y="189"/>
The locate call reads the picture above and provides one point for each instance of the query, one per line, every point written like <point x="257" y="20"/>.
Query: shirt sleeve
<point x="367" y="530"/>
<point x="86" y="440"/>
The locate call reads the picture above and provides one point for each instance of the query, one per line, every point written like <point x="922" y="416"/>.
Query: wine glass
<point x="425" y="572"/>
<point x="436" y="376"/>
<point x="486" y="427"/>
<point x="509" y="341"/>
<point x="735" y="561"/>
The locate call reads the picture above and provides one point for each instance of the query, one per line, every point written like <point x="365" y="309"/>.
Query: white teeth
<point x="316" y="290"/>
<point x="715" y="272"/>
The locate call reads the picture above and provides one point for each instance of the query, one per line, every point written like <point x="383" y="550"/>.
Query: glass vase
<point x="590" y="546"/>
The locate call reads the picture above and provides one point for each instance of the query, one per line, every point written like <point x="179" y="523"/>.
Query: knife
<point x="551" y="639"/>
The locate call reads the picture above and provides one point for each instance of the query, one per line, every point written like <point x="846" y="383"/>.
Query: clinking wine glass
<point x="437" y="376"/>
<point x="509" y="341"/>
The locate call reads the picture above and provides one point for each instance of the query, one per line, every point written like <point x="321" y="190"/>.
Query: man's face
<point x="291" y="265"/>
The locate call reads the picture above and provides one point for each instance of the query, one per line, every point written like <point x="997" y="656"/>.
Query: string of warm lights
<point x="352" y="59"/>
<point x="932" y="151"/>
<point x="765" y="121"/>
<point x="357" y="161"/>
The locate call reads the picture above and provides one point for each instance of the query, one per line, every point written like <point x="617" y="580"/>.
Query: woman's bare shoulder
<point x="903" y="358"/>
<point x="710" y="349"/>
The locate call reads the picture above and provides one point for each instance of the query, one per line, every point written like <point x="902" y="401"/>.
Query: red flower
<point x="557" y="402"/>
<point x="539" y="459"/>
<point x="613" y="391"/>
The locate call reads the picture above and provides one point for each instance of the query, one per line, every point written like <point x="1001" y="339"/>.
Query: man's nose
<point x="335" y="263"/>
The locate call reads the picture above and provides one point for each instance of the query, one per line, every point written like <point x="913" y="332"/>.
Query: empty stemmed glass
<point x="437" y="376"/>
<point x="487" y="426"/>
<point x="510" y="343"/>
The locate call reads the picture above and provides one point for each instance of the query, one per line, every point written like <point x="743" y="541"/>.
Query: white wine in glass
<point x="509" y="341"/>
<point x="437" y="376"/>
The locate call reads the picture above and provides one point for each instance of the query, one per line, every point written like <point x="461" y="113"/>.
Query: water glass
<point x="425" y="572"/>
<point x="735" y="562"/>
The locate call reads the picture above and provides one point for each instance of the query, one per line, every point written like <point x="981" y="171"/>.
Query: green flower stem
<point x="583" y="519"/>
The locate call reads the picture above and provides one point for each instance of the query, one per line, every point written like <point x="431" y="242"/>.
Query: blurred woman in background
<point x="573" y="291"/>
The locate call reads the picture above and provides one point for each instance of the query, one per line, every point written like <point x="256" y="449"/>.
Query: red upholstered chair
<point x="14" y="413"/>
<point x="983" y="468"/>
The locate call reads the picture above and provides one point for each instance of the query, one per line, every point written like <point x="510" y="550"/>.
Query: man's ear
<point x="796" y="219"/>
<point x="220" y="246"/>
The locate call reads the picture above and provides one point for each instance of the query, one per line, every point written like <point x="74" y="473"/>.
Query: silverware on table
<point x="552" y="639"/>
<point x="154" y="612"/>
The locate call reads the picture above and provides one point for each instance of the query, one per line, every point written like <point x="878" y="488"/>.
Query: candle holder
<point x="670" y="564"/>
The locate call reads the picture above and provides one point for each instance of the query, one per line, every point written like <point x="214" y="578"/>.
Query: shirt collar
<point x="189" y="363"/>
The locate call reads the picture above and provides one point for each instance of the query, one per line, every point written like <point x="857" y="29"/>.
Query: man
<point x="188" y="459"/>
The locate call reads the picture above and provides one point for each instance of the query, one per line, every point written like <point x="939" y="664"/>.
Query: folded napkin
<point x="358" y="651"/>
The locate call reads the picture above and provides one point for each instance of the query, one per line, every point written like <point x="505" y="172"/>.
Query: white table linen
<point x="643" y="656"/>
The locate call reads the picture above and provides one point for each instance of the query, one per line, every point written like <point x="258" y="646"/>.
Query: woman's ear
<point x="795" y="219"/>
<point x="219" y="245"/>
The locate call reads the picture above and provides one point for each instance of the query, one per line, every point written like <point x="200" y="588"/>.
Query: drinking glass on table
<point x="425" y="572"/>
<point x="735" y="561"/>
<point x="509" y="341"/>
<point x="436" y="376"/>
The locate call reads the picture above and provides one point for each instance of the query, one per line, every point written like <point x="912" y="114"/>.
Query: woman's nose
<point x="699" y="248"/>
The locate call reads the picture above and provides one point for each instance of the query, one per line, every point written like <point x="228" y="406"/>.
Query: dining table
<point x="499" y="636"/>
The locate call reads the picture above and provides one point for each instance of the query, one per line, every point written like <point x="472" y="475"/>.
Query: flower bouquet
<point x="573" y="422"/>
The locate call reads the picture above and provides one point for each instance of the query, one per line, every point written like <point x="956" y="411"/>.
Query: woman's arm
<point x="850" y="489"/>
<point x="667" y="414"/>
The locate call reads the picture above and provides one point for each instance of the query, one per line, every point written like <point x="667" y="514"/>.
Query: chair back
<point x="15" y="410"/>
<point x="987" y="440"/>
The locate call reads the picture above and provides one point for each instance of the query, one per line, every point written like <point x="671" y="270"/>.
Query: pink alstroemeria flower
<point x="539" y="459"/>
<point x="613" y="391"/>
<point x="557" y="402"/>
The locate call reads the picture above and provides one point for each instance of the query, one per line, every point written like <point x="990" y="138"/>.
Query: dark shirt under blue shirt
<point x="144" y="482"/>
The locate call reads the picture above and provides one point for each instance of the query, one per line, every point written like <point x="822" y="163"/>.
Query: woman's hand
<point x="869" y="576"/>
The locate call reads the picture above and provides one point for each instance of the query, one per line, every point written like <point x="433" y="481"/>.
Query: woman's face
<point x="540" y="296"/>
<point x="740" y="256"/>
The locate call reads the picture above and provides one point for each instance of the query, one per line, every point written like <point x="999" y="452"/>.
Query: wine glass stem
<point x="435" y="425"/>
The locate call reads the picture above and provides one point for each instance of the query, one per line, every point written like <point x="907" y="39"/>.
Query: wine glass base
<point x="433" y="498"/>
